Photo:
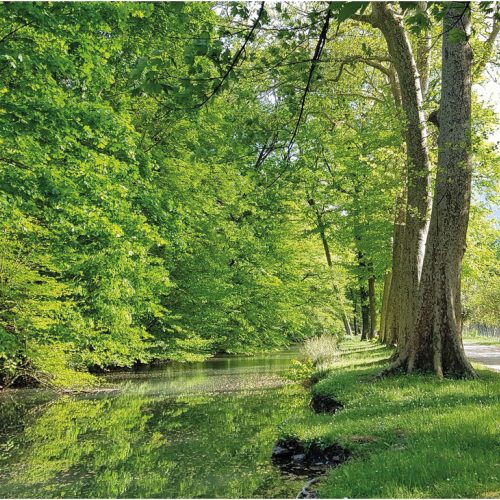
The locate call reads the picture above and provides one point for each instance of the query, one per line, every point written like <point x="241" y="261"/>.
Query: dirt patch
<point x="325" y="404"/>
<point x="309" y="460"/>
<point x="363" y="439"/>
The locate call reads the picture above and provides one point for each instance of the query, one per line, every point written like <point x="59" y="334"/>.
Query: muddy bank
<point x="325" y="404"/>
<point x="307" y="459"/>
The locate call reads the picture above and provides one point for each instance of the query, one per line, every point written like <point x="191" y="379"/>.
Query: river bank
<point x="208" y="430"/>
<point x="409" y="436"/>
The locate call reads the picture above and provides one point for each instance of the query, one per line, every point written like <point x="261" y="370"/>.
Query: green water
<point x="199" y="430"/>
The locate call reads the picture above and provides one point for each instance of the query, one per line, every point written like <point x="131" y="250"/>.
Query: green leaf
<point x="348" y="9"/>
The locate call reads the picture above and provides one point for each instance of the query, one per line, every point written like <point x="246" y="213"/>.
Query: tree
<point x="406" y="284"/>
<point x="435" y="343"/>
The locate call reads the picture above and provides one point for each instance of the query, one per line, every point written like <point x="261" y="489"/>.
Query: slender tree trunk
<point x="418" y="167"/>
<point x="373" y="311"/>
<point x="385" y="300"/>
<point x="392" y="320"/>
<point x="328" y="256"/>
<point x="365" y="314"/>
<point x="436" y="341"/>
<point x="363" y="297"/>
<point x="354" y="311"/>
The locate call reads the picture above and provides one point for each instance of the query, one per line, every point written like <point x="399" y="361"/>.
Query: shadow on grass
<point x="409" y="434"/>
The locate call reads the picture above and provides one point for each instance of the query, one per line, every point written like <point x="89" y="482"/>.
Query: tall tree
<point x="435" y="343"/>
<point x="391" y="25"/>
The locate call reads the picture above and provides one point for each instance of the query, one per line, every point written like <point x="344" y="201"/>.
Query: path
<point x="488" y="355"/>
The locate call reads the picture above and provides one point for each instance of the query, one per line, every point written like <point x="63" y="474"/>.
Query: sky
<point x="490" y="94"/>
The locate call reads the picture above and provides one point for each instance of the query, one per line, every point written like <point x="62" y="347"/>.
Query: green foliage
<point x="300" y="370"/>
<point x="348" y="9"/>
<point x="148" y="208"/>
<point x="129" y="232"/>
<point x="481" y="276"/>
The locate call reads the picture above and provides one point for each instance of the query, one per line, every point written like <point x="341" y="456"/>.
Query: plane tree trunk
<point x="391" y="316"/>
<point x="436" y="340"/>
<point x="418" y="166"/>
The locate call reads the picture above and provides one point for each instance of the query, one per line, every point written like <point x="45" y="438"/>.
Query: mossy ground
<point x="411" y="435"/>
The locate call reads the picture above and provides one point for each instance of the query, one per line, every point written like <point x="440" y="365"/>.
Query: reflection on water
<point x="203" y="430"/>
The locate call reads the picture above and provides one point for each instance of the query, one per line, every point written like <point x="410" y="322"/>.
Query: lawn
<point x="411" y="436"/>
<point x="478" y="339"/>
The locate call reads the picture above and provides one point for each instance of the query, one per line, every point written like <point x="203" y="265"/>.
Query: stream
<point x="177" y="431"/>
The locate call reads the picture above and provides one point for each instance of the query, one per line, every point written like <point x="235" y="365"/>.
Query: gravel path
<point x="488" y="355"/>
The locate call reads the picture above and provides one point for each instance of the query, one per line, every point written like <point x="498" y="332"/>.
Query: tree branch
<point x="489" y="45"/>
<point x="15" y="31"/>
<point x="235" y="60"/>
<point x="363" y="18"/>
<point x="316" y="57"/>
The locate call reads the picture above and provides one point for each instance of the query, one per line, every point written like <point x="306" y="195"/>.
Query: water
<point x="182" y="431"/>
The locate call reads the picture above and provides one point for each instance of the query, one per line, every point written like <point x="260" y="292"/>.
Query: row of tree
<point x="181" y="179"/>
<point x="422" y="313"/>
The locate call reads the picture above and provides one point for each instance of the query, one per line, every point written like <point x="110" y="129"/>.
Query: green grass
<point x="411" y="436"/>
<point x="478" y="339"/>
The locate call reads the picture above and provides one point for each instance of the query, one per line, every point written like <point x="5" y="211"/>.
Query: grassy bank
<point x="411" y="436"/>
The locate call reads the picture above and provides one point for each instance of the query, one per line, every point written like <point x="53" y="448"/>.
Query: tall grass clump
<point x="322" y="351"/>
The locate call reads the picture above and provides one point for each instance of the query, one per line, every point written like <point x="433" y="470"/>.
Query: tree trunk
<point x="373" y="311"/>
<point x="418" y="167"/>
<point x="328" y="256"/>
<point x="436" y="340"/>
<point x="385" y="300"/>
<point x="363" y="298"/>
<point x="391" y="328"/>
<point x="365" y="314"/>
<point x="354" y="311"/>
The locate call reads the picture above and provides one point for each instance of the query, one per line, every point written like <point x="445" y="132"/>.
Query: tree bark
<point x="391" y="323"/>
<point x="418" y="166"/>
<point x="436" y="340"/>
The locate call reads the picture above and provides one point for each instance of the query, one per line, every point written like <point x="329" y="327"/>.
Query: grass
<point x="411" y="436"/>
<point x="478" y="339"/>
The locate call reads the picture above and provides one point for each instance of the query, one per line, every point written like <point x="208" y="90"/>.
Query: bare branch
<point x="489" y="45"/>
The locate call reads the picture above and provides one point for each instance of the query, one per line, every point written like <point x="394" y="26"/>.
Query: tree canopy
<point x="181" y="179"/>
